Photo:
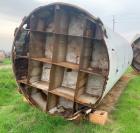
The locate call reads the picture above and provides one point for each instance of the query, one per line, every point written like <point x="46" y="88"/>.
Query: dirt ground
<point x="5" y="66"/>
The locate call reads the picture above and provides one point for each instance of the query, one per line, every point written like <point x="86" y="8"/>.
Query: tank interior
<point x="136" y="58"/>
<point x="59" y="60"/>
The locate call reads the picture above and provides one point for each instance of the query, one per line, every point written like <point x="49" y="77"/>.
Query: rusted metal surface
<point x="65" y="59"/>
<point x="136" y="53"/>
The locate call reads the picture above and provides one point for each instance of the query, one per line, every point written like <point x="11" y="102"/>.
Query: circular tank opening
<point x="59" y="54"/>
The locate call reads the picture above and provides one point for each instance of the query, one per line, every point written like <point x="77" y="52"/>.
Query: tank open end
<point x="136" y="53"/>
<point x="60" y="59"/>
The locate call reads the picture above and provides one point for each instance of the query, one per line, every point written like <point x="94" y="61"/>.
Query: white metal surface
<point x="120" y="57"/>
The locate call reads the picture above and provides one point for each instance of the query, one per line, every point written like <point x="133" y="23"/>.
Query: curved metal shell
<point x="64" y="56"/>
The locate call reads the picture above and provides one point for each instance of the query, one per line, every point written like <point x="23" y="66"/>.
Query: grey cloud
<point x="17" y="8"/>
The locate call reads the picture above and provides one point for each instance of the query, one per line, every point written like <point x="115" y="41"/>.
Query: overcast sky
<point x="126" y="12"/>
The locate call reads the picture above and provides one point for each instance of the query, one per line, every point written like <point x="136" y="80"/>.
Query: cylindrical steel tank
<point x="64" y="56"/>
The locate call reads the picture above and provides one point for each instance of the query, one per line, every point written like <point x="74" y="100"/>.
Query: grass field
<point x="7" y="61"/>
<point x="18" y="117"/>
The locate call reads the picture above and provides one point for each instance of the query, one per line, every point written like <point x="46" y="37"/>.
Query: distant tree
<point x="2" y="56"/>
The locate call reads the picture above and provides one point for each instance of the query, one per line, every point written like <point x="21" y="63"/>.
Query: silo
<point x="66" y="59"/>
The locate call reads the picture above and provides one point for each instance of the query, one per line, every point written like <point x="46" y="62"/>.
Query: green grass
<point x="19" y="117"/>
<point x="129" y="70"/>
<point x="7" y="61"/>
